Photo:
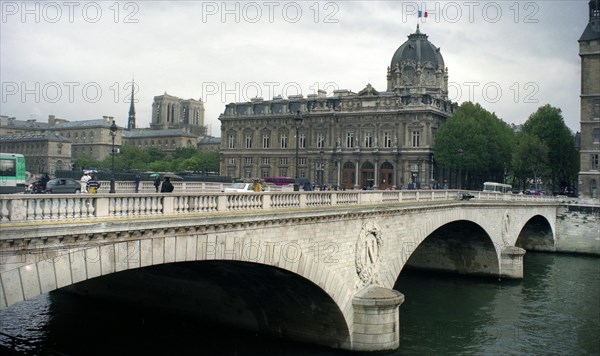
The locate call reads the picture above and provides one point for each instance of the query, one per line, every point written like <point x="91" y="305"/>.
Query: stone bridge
<point x="317" y="266"/>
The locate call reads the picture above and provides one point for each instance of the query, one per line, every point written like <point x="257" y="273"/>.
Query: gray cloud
<point x="197" y="50"/>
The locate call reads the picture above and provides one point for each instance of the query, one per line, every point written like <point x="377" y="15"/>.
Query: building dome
<point x="418" y="49"/>
<point x="418" y="66"/>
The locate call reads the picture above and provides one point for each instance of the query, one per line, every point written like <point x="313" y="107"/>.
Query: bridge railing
<point x="56" y="207"/>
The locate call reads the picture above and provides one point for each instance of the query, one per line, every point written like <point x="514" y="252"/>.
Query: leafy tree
<point x="485" y="142"/>
<point x="548" y="125"/>
<point x="132" y="157"/>
<point x="87" y="163"/>
<point x="155" y="154"/>
<point x="184" y="152"/>
<point x="530" y="159"/>
<point x="161" y="166"/>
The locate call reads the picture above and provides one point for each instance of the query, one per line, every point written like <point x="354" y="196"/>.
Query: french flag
<point x="422" y="13"/>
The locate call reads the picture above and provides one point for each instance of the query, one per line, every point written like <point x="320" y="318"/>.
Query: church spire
<point x="131" y="121"/>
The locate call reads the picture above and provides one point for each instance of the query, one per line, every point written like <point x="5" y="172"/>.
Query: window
<point x="302" y="160"/>
<point x="283" y="171"/>
<point x="415" y="138"/>
<point x="596" y="135"/>
<point x="265" y="141"/>
<point x="231" y="141"/>
<point x="387" y="139"/>
<point x="320" y="140"/>
<point x="594" y="161"/>
<point x="596" y="109"/>
<point x="248" y="141"/>
<point x="368" y="140"/>
<point x="265" y="160"/>
<point x="248" y="160"/>
<point x="302" y="143"/>
<point x="350" y="139"/>
<point x="284" y="141"/>
<point x="283" y="161"/>
<point x="231" y="160"/>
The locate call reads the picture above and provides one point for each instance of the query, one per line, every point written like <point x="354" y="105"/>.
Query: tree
<point x="87" y="163"/>
<point x="133" y="158"/>
<point x="485" y="142"/>
<point x="547" y="124"/>
<point x="530" y="159"/>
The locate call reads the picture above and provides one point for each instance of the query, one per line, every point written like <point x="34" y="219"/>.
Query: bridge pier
<point x="511" y="262"/>
<point x="377" y="319"/>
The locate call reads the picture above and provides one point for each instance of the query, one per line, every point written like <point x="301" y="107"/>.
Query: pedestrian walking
<point x="93" y="185"/>
<point x="157" y="183"/>
<point x="137" y="183"/>
<point x="83" y="181"/>
<point x="167" y="186"/>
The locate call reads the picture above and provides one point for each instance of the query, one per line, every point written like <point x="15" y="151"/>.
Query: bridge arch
<point x="537" y="234"/>
<point x="58" y="270"/>
<point x="245" y="295"/>
<point x="462" y="247"/>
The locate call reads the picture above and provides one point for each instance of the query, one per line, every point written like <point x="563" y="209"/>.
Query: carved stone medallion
<point x="368" y="254"/>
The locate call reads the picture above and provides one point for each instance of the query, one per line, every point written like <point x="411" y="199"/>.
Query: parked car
<point x="240" y="187"/>
<point x="63" y="185"/>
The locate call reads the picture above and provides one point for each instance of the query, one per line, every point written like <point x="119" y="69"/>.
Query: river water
<point x="554" y="310"/>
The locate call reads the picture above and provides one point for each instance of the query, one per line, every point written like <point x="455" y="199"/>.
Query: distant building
<point x="369" y="139"/>
<point x="170" y="112"/>
<point x="89" y="138"/>
<point x="166" y="140"/>
<point x="176" y="123"/>
<point x="45" y="152"/>
<point x="209" y="143"/>
<point x="589" y="51"/>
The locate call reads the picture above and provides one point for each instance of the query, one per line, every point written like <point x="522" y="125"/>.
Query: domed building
<point x="366" y="140"/>
<point x="418" y="64"/>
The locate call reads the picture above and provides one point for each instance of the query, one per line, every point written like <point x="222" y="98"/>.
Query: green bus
<point x="12" y="173"/>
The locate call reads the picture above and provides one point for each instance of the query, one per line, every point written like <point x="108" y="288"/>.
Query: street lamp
<point x="113" y="133"/>
<point x="298" y="123"/>
<point x="460" y="155"/>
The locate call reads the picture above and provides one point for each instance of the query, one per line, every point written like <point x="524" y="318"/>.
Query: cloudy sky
<point x="76" y="59"/>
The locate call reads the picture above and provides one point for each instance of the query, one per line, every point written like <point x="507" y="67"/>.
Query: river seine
<point x="554" y="310"/>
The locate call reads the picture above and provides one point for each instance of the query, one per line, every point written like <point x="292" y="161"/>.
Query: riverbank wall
<point x="578" y="228"/>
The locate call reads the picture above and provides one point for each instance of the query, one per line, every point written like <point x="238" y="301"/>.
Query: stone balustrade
<point x="54" y="207"/>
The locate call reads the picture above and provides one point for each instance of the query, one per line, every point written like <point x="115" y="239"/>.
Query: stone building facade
<point x="45" y="152"/>
<point x="589" y="51"/>
<point x="167" y="140"/>
<point x="181" y="126"/>
<point x="87" y="138"/>
<point x="369" y="139"/>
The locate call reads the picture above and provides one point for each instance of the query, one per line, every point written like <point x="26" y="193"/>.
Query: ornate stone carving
<point x="368" y="254"/>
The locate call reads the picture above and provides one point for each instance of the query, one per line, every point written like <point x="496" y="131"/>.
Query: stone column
<point x="338" y="164"/>
<point x="356" y="170"/>
<point x="376" y="319"/>
<point x="511" y="262"/>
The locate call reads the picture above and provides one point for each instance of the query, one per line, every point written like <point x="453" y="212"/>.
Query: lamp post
<point x="298" y="122"/>
<point x="460" y="155"/>
<point x="113" y="133"/>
